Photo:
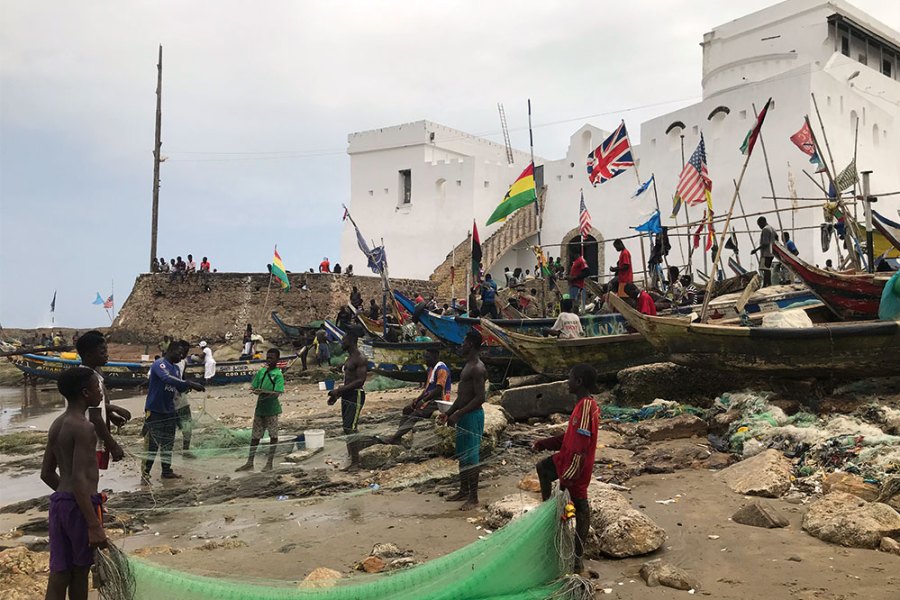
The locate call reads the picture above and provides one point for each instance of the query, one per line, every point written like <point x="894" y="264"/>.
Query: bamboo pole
<point x="157" y="145"/>
<point x="768" y="170"/>
<point x="746" y="222"/>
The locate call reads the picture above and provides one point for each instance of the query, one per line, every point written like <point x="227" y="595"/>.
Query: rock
<point x="759" y="515"/>
<point x="657" y="573"/>
<point x="850" y="484"/>
<point x="402" y="563"/>
<point x="321" y="577"/>
<point x="767" y="474"/>
<point x="22" y="561"/>
<point x="682" y="426"/>
<point x="495" y="423"/>
<point x="372" y="564"/>
<point x="673" y="455"/>
<point x="223" y="545"/>
<point x="848" y="520"/>
<point x="299" y="456"/>
<point x="720" y="422"/>
<point x="642" y="385"/>
<point x="388" y="551"/>
<point x="530" y="483"/>
<point x="377" y="457"/>
<point x="508" y="508"/>
<point x="619" y="530"/>
<point x="542" y="400"/>
<point x="889" y="545"/>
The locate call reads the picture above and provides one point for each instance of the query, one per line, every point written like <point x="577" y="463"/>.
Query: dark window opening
<point x="845" y="45"/>
<point x="591" y="253"/>
<point x="405" y="186"/>
<point x="886" y="67"/>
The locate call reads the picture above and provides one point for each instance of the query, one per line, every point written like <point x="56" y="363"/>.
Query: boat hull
<point x="129" y="375"/>
<point x="863" y="349"/>
<point x="554" y="357"/>
<point x="850" y="297"/>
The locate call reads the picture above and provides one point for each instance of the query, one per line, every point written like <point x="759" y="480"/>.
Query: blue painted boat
<point x="119" y="374"/>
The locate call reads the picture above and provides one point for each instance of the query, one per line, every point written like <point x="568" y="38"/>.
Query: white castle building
<point x="419" y="185"/>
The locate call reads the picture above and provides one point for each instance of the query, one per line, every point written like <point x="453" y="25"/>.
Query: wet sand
<point x="266" y="539"/>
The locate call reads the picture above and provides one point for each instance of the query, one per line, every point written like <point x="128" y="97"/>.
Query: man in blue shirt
<point x="160" y="417"/>
<point x="789" y="243"/>
<point x="489" y="297"/>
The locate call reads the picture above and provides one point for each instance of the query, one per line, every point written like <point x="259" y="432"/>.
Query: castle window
<point x="405" y="186"/>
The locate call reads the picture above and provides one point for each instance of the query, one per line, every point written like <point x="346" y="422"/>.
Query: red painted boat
<point x="851" y="296"/>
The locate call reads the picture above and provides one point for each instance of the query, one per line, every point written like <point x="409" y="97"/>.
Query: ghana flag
<point x="279" y="272"/>
<point x="521" y="193"/>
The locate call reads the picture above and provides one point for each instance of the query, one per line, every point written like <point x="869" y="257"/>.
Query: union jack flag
<point x="109" y="302"/>
<point x="611" y="157"/>
<point x="584" y="219"/>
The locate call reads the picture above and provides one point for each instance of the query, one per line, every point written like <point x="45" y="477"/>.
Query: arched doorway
<point x="591" y="256"/>
<point x="594" y="253"/>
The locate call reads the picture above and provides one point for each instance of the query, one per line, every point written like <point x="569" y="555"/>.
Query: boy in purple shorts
<point x="75" y="521"/>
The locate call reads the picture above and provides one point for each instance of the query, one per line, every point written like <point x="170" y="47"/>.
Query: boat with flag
<point x="860" y="348"/>
<point x="851" y="296"/>
<point x="124" y="374"/>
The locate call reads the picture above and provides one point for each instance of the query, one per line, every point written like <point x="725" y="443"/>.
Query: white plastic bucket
<point x="315" y="438"/>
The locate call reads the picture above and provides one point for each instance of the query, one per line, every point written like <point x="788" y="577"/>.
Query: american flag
<point x="109" y="302"/>
<point x="584" y="219"/>
<point x="694" y="184"/>
<point x="611" y="157"/>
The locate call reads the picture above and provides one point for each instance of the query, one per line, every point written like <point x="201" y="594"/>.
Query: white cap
<point x="203" y="344"/>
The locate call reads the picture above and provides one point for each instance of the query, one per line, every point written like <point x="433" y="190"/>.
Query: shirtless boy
<point x="467" y="416"/>
<point x="75" y="521"/>
<point x="352" y="396"/>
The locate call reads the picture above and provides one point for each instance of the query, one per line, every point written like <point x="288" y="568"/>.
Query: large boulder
<point x="767" y="474"/>
<point x="508" y="508"/>
<point x="619" y="530"/>
<point x="376" y="457"/>
<point x="850" y="484"/>
<point x="759" y="515"/>
<point x="543" y="400"/>
<point x="495" y="423"/>
<point x="643" y="384"/>
<point x="848" y="520"/>
<point x="682" y="426"/>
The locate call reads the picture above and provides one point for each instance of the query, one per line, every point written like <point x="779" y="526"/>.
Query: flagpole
<point x="537" y="204"/>
<point x="453" y="275"/>
<point x="768" y="172"/>
<point x="854" y="257"/>
<point x="746" y="223"/>
<point x="656" y="200"/>
<point x="687" y="220"/>
<point x="855" y="147"/>
<point x="112" y="294"/>
<point x="704" y="311"/>
<point x="641" y="236"/>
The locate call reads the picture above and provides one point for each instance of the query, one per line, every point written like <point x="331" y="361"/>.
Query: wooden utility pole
<point x="156" y="148"/>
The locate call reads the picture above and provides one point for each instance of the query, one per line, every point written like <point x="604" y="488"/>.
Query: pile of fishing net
<point x="658" y="409"/>
<point x="862" y="443"/>
<point x="526" y="559"/>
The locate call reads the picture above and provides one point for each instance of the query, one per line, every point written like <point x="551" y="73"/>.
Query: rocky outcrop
<point x="378" y="456"/>
<point x="758" y="514"/>
<point x="848" y="520"/>
<point x="618" y="529"/>
<point x="850" y="484"/>
<point x="508" y="508"/>
<point x="158" y="306"/>
<point x="767" y="474"/>
<point x="543" y="400"/>
<point x="642" y="385"/>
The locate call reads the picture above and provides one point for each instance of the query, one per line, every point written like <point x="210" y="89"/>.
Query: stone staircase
<point x="519" y="227"/>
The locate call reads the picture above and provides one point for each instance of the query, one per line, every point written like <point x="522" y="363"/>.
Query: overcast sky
<point x="258" y="99"/>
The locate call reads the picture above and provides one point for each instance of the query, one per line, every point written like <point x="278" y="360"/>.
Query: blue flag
<point x="98" y="299"/>
<point x="643" y="187"/>
<point x="651" y="225"/>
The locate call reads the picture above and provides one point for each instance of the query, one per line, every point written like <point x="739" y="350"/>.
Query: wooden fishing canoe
<point x="119" y="374"/>
<point x="850" y="296"/>
<point x="554" y="357"/>
<point x="863" y="348"/>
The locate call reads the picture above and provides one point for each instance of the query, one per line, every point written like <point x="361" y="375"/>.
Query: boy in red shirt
<point x="643" y="301"/>
<point x="573" y="463"/>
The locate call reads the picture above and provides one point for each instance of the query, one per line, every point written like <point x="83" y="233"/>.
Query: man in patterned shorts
<point x="268" y="384"/>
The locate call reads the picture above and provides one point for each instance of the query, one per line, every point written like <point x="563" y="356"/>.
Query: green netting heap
<point x="521" y="561"/>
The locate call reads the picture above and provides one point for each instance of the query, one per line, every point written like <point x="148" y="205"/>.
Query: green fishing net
<point x="522" y="561"/>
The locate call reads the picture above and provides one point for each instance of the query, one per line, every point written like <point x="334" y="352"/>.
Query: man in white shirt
<point x="209" y="363"/>
<point x="568" y="325"/>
